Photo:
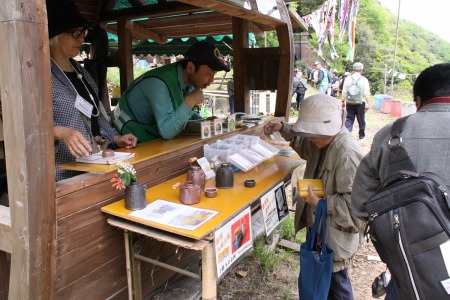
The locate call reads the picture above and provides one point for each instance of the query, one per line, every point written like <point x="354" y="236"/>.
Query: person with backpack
<point x="356" y="99"/>
<point x="426" y="140"/>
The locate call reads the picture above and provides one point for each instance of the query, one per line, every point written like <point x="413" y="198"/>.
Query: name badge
<point x="83" y="106"/>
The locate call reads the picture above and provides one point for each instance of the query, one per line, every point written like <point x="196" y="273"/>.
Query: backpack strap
<point x="398" y="157"/>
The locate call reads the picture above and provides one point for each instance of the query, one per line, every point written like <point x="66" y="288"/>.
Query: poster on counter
<point x="173" y="214"/>
<point x="274" y="207"/>
<point x="232" y="240"/>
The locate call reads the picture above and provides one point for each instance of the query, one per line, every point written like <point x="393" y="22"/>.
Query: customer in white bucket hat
<point x="333" y="155"/>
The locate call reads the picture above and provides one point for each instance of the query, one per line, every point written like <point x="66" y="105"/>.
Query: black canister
<point x="224" y="177"/>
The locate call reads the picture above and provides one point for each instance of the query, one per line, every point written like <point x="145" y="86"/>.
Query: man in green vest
<point x="159" y="103"/>
<point x="322" y="78"/>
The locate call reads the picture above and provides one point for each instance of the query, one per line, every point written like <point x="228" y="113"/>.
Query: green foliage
<point x="417" y="48"/>
<point x="287" y="228"/>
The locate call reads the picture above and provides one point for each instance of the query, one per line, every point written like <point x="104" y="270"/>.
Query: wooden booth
<point x="60" y="243"/>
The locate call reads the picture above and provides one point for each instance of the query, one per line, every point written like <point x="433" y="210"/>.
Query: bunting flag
<point x="323" y="22"/>
<point x="354" y="7"/>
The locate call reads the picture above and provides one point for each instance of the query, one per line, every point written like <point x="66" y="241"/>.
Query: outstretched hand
<point x="272" y="127"/>
<point x="73" y="139"/>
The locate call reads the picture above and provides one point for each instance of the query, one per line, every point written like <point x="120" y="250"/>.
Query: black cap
<point x="206" y="53"/>
<point x="63" y="15"/>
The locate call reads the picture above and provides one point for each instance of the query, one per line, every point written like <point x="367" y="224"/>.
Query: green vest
<point x="123" y="118"/>
<point x="325" y="77"/>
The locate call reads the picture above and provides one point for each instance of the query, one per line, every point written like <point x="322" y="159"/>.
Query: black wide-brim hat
<point x="63" y="16"/>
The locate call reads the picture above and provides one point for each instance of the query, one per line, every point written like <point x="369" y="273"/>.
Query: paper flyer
<point x="232" y="240"/>
<point x="274" y="207"/>
<point x="206" y="167"/>
<point x="174" y="214"/>
<point x="97" y="158"/>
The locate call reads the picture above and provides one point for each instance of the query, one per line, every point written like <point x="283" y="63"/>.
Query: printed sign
<point x="231" y="122"/>
<point x="218" y="126"/>
<point x="233" y="240"/>
<point x="206" y="129"/>
<point x="274" y="207"/>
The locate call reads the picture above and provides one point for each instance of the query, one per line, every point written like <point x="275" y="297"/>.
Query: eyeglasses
<point x="78" y="33"/>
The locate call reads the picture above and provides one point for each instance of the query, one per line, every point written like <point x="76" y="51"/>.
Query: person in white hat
<point x="333" y="155"/>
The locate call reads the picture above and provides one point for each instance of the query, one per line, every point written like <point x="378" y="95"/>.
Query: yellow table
<point x="229" y="203"/>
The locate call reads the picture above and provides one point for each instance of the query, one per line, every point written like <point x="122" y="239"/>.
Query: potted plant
<point x="127" y="180"/>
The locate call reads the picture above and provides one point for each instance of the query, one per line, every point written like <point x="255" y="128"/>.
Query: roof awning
<point x="177" y="46"/>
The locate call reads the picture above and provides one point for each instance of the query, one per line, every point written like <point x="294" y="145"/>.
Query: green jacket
<point x="123" y="118"/>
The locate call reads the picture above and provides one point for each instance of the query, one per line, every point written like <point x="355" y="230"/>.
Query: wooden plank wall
<point x="90" y="254"/>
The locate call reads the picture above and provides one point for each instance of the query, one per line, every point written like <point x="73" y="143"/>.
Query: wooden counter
<point x="152" y="150"/>
<point x="90" y="253"/>
<point x="229" y="202"/>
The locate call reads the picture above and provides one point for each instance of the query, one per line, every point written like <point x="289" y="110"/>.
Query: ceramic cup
<point x="210" y="192"/>
<point x="107" y="153"/>
<point x="249" y="183"/>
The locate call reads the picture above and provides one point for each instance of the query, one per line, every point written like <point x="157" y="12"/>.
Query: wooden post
<point x="241" y="86"/>
<point x="125" y="53"/>
<point x="286" y="66"/>
<point x="29" y="150"/>
<point x="209" y="282"/>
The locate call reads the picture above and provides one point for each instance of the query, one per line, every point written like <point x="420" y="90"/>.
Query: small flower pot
<point x="135" y="196"/>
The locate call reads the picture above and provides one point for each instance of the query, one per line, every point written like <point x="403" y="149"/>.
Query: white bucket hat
<point x="320" y="116"/>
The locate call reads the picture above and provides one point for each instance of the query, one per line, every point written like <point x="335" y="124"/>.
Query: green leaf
<point x="126" y="178"/>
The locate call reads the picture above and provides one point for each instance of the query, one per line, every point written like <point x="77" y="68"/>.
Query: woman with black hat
<point x="79" y="126"/>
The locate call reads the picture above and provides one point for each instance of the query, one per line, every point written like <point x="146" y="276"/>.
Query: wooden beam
<point x="296" y="20"/>
<point x="286" y="65"/>
<point x="236" y="11"/>
<point x="124" y="27"/>
<point x="27" y="121"/>
<point x="142" y="33"/>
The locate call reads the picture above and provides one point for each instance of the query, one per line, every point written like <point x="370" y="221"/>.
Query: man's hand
<point x="125" y="141"/>
<point x="196" y="97"/>
<point x="73" y="139"/>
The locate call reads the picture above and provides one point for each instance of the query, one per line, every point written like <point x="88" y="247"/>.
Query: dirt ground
<point x="281" y="282"/>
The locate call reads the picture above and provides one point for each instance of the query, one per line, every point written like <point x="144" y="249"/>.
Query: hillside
<point x="417" y="47"/>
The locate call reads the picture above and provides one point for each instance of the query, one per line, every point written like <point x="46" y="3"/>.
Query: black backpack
<point x="409" y="220"/>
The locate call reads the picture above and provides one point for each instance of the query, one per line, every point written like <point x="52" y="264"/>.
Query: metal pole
<point x="385" y="78"/>
<point x="395" y="49"/>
